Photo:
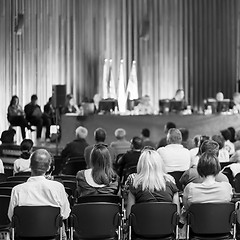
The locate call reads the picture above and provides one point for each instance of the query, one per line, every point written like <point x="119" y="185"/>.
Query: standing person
<point x="145" y="134"/>
<point x="163" y="141"/>
<point x="34" y="114"/>
<point x="70" y="105"/>
<point x="16" y="116"/>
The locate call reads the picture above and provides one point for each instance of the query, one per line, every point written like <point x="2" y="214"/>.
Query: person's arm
<point x="186" y="194"/>
<point x="12" y="204"/>
<point x="176" y="201"/>
<point x="130" y="203"/>
<point x="64" y="203"/>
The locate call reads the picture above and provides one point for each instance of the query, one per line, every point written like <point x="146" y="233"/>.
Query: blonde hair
<point x="151" y="174"/>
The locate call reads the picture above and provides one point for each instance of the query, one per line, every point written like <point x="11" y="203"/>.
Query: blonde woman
<point x="151" y="183"/>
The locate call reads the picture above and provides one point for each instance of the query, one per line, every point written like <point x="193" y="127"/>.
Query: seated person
<point x="100" y="178"/>
<point x="228" y="145"/>
<point x="70" y="105"/>
<point x="145" y="135"/>
<point x="77" y="147"/>
<point x="16" y="116"/>
<point x="233" y="134"/>
<point x="22" y="164"/>
<point x="174" y="155"/>
<point x="100" y="137"/>
<point x="180" y="99"/>
<point x="191" y="175"/>
<point x="235" y="104"/>
<point x="196" y="144"/>
<point x="39" y="191"/>
<point x="163" y="141"/>
<point x="120" y="146"/>
<point x="186" y="142"/>
<point x="223" y="155"/>
<point x="144" y="107"/>
<point x="209" y="191"/>
<point x="235" y="165"/>
<point x="151" y="183"/>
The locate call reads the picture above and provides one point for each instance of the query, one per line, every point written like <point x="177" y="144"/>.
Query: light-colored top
<point x="1" y="167"/>
<point x="223" y="155"/>
<point x="121" y="146"/>
<point x="175" y="157"/>
<point x="229" y="146"/>
<point x="207" y="193"/>
<point x="39" y="191"/>
<point x="89" y="179"/>
<point x="21" y="165"/>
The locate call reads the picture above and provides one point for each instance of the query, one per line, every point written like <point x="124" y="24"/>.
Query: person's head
<point x="150" y="171"/>
<point x="226" y="134"/>
<point x="219" y="139"/>
<point x="120" y="134"/>
<point x="179" y="96"/>
<point x="196" y="140"/>
<point x="235" y="158"/>
<point x="34" y="99"/>
<point x="208" y="165"/>
<point x="50" y="100"/>
<point x="233" y="133"/>
<point x="174" y="136"/>
<point x="237" y="135"/>
<point x="26" y="145"/>
<point x="40" y="162"/>
<point x="81" y="132"/>
<point x="14" y="101"/>
<point x="219" y="96"/>
<point x="145" y="133"/>
<point x="101" y="165"/>
<point x="185" y="134"/>
<point x="136" y="143"/>
<point x="100" y="135"/>
<point x="209" y="146"/>
<point x="69" y="100"/>
<point x="168" y="126"/>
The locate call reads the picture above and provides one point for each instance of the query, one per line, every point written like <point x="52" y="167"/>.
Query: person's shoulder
<point x="89" y="148"/>
<point x="80" y="175"/>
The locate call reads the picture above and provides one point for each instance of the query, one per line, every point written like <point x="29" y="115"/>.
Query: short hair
<point x="174" y="136"/>
<point x="146" y="132"/>
<point x="233" y="133"/>
<point x="34" y="97"/>
<point x="120" y="133"/>
<point x="26" y="145"/>
<point x="40" y="162"/>
<point x="81" y="132"/>
<point x="100" y="135"/>
<point x="170" y="125"/>
<point x="208" y="164"/>
<point x="226" y="134"/>
<point x="185" y="134"/>
<point x="209" y="146"/>
<point x="137" y="143"/>
<point x="219" y="139"/>
<point x="196" y="140"/>
<point x="238" y="135"/>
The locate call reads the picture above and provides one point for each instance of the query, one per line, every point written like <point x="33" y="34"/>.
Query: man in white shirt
<point x="174" y="155"/>
<point x="39" y="191"/>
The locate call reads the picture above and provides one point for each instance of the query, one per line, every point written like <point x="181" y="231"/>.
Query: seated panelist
<point x="178" y="103"/>
<point x="70" y="105"/>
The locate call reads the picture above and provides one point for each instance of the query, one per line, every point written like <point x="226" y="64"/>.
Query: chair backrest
<point x="153" y="219"/>
<point x="211" y="218"/>
<point x="10" y="184"/>
<point x="177" y="175"/>
<point x="96" y="220"/>
<point x="23" y="174"/>
<point x="18" y="178"/>
<point x="4" y="203"/>
<point x="5" y="191"/>
<point x="3" y="177"/>
<point x="73" y="166"/>
<point x="65" y="177"/>
<point x="100" y="198"/>
<point x="36" y="221"/>
<point x="236" y="183"/>
<point x="70" y="184"/>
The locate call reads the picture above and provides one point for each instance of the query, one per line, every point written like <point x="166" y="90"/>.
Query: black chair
<point x="70" y="184"/>
<point x="65" y="177"/>
<point x="73" y="166"/>
<point x="5" y="191"/>
<point x="17" y="178"/>
<point x="23" y="174"/>
<point x="10" y="184"/>
<point x="177" y="175"/>
<point x="36" y="221"/>
<point x="3" y="177"/>
<point x="153" y="220"/>
<point x="4" y="220"/>
<point x="211" y="221"/>
<point x="96" y="221"/>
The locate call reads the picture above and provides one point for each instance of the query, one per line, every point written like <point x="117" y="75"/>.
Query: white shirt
<point x="21" y="165"/>
<point x="39" y="191"/>
<point x="175" y="157"/>
<point x="223" y="155"/>
<point x="1" y="167"/>
<point x="229" y="146"/>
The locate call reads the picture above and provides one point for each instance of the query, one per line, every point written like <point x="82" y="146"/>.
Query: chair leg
<point x="13" y="233"/>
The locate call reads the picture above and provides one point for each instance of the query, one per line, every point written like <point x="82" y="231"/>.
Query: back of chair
<point x="65" y="177"/>
<point x="211" y="218"/>
<point x="23" y="174"/>
<point x="17" y="178"/>
<point x="153" y="220"/>
<point x="3" y="177"/>
<point x="100" y="198"/>
<point x="10" y="184"/>
<point x="5" y="191"/>
<point x="177" y="175"/>
<point x="4" y="204"/>
<point x="73" y="166"/>
<point x="70" y="184"/>
<point x="96" y="220"/>
<point x="36" y="221"/>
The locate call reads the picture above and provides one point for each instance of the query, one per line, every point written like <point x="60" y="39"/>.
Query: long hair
<point x="13" y="99"/>
<point x="151" y="174"/>
<point x="101" y="164"/>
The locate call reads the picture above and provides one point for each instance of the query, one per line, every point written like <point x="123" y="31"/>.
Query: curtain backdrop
<point x="190" y="44"/>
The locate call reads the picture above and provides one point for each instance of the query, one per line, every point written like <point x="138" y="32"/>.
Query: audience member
<point x="163" y="141"/>
<point x="233" y="134"/>
<point x="22" y="164"/>
<point x="16" y="116"/>
<point x="228" y="144"/>
<point x="219" y="96"/>
<point x="1" y="166"/>
<point x="151" y="183"/>
<point x="70" y="105"/>
<point x="100" y="178"/>
<point x="186" y="142"/>
<point x="174" y="155"/>
<point x="39" y="191"/>
<point x="237" y="142"/>
<point x="196" y="144"/>
<point x="100" y="137"/>
<point x="223" y="155"/>
<point x="144" y="107"/>
<point x="120" y="146"/>
<point x="145" y="135"/>
<point x="209" y="191"/>
<point x="236" y="102"/>
<point x="235" y="165"/>
<point x="192" y="175"/>
<point x="77" y="147"/>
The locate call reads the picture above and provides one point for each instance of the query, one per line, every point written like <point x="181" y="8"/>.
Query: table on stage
<point x="196" y="124"/>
